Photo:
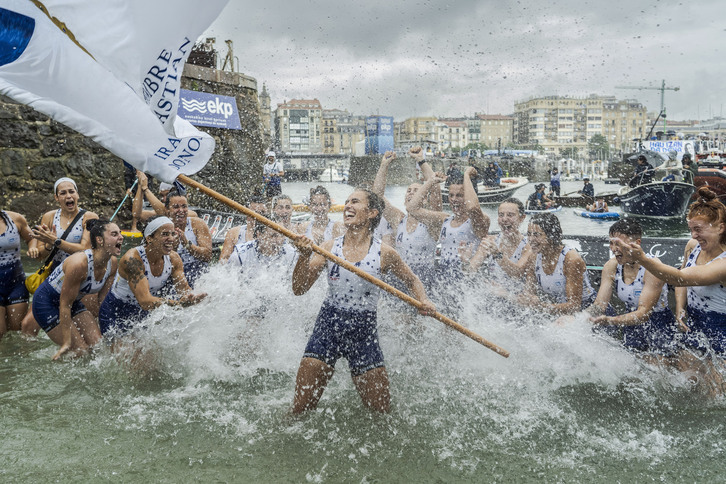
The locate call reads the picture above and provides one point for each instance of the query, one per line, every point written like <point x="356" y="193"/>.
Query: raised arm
<point x="138" y="204"/>
<point x="434" y="191"/>
<point x="479" y="220"/>
<point x="379" y="184"/>
<point x="416" y="210"/>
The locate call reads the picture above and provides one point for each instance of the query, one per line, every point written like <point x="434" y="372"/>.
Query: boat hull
<point x="487" y="197"/>
<point x="666" y="200"/>
<point x="581" y="201"/>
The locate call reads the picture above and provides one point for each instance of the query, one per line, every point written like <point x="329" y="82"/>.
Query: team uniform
<point x="384" y="228"/>
<point x="451" y="239"/>
<point x="193" y="267"/>
<point x="494" y="269"/>
<point x="46" y="300"/>
<point x="327" y="234"/>
<point x="75" y="236"/>
<point x="346" y="323"/>
<point x="554" y="285"/>
<point x="242" y="238"/>
<point x="12" y="275"/>
<point x="659" y="332"/>
<point x="417" y="249"/>
<point x="120" y="310"/>
<point x="706" y="311"/>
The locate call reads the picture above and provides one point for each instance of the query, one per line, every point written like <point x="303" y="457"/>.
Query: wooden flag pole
<point x="341" y="262"/>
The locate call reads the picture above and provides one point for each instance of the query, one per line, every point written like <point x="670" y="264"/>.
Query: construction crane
<point x="662" y="90"/>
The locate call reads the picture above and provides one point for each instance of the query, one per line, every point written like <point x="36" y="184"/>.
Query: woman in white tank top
<point x="320" y="228"/>
<point x="195" y="239"/>
<point x="346" y="325"/>
<point x="556" y="272"/>
<point x="57" y="303"/>
<point x="242" y="233"/>
<point x="142" y="273"/>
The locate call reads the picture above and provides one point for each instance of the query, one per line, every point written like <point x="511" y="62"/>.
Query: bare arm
<point x="479" y="220"/>
<point x="309" y="265"/>
<point x="605" y="293"/>
<point x="432" y="219"/>
<point x="652" y="288"/>
<point x="230" y="240"/>
<point x="392" y="262"/>
<point x="138" y="204"/>
<point x="75" y="271"/>
<point x="203" y="249"/>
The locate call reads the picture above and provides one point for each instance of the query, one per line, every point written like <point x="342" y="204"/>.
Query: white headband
<point x="155" y="224"/>
<point x="61" y="180"/>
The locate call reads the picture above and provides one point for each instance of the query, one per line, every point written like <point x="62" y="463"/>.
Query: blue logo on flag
<point x="16" y="30"/>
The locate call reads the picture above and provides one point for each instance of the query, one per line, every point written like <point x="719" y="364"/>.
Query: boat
<point x="488" y="195"/>
<point x="551" y="209"/>
<point x="666" y="197"/>
<point x="580" y="201"/>
<point x="597" y="215"/>
<point x="712" y="175"/>
<point x="332" y="175"/>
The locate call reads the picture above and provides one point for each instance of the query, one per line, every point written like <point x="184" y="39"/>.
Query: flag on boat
<point x="111" y="70"/>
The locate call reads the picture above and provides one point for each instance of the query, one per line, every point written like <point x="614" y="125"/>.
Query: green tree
<point x="598" y="147"/>
<point x="569" y="152"/>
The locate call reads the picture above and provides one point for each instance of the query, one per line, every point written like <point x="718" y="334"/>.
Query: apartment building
<point x="298" y="126"/>
<point x="417" y="129"/>
<point x="341" y="131"/>
<point x="451" y="134"/>
<point x="495" y="130"/>
<point x="559" y="122"/>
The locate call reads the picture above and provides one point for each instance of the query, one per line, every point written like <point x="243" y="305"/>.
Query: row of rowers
<point x="552" y="271"/>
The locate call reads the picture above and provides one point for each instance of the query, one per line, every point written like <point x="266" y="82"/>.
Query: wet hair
<point x="550" y="225"/>
<point x="320" y="190"/>
<point x="457" y="179"/>
<point x="256" y="198"/>
<point x="515" y="201"/>
<point x="709" y="207"/>
<point x="278" y="198"/>
<point x="173" y="193"/>
<point x="5" y="217"/>
<point x="627" y="226"/>
<point x="374" y="203"/>
<point x="96" y="227"/>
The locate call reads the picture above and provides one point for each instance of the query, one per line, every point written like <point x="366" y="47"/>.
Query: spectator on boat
<point x="598" y="206"/>
<point x="57" y="305"/>
<point x="321" y="228"/>
<point x="648" y="324"/>
<point x="643" y="172"/>
<point x="555" y="177"/>
<point x="143" y="273"/>
<point x="701" y="280"/>
<point x="557" y="280"/>
<point x="587" y="189"/>
<point x="49" y="234"/>
<point x="415" y="240"/>
<point x="690" y="165"/>
<point x="194" y="238"/>
<point x="491" y="177"/>
<point x="538" y="200"/>
<point x="346" y="325"/>
<point x="243" y="233"/>
<point x="14" y="295"/>
<point x="507" y="253"/>
<point x="272" y="174"/>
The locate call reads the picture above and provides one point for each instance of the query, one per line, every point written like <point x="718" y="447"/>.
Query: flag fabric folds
<point x="123" y="90"/>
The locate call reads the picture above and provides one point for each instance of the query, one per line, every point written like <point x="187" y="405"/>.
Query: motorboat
<point x="491" y="195"/>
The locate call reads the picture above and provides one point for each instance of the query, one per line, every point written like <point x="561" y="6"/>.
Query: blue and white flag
<point x="123" y="90"/>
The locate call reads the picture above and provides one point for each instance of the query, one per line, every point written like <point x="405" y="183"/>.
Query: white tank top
<point x="89" y="286"/>
<point x="251" y="260"/>
<point x="327" y="234"/>
<point x="706" y="298"/>
<point x="630" y="293"/>
<point x="515" y="257"/>
<point x="451" y="238"/>
<point x="185" y="255"/>
<point x="554" y="284"/>
<point x="9" y="242"/>
<point x="416" y="248"/>
<point x="121" y="287"/>
<point x="74" y="236"/>
<point x="383" y="228"/>
<point x="348" y="291"/>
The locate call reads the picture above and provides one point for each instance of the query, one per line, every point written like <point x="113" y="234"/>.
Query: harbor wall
<point x="35" y="151"/>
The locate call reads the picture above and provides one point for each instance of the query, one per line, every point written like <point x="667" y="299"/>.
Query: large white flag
<point x="123" y="92"/>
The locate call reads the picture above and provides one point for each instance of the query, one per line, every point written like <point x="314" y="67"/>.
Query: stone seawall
<point x="35" y="151"/>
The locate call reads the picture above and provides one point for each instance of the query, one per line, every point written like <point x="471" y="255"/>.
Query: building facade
<point x="451" y="134"/>
<point x="341" y="131"/>
<point x="556" y="123"/>
<point x="298" y="126"/>
<point x="495" y="130"/>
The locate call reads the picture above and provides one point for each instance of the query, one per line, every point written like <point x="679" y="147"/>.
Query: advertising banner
<point x="379" y="134"/>
<point x="211" y="110"/>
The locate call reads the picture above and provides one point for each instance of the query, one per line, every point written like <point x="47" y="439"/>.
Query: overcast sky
<point x="416" y="58"/>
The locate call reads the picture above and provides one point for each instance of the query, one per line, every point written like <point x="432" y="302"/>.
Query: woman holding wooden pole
<point x="346" y="324"/>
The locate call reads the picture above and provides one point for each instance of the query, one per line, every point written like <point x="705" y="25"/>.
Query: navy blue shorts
<point x="658" y="334"/>
<point x="117" y="316"/>
<point x="12" y="284"/>
<point x="709" y="326"/>
<point x="349" y="334"/>
<point x="46" y="304"/>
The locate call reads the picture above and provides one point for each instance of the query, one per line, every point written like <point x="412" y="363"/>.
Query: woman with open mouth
<point x="143" y="273"/>
<point x="321" y="228"/>
<point x="49" y="234"/>
<point x="57" y="305"/>
<point x="347" y="322"/>
<point x="193" y="235"/>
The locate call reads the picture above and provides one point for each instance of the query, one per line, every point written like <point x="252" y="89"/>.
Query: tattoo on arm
<point x="135" y="271"/>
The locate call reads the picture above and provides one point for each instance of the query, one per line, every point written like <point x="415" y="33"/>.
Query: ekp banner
<point x="210" y="110"/>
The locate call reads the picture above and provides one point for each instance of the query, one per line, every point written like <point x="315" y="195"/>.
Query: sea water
<point x="203" y="394"/>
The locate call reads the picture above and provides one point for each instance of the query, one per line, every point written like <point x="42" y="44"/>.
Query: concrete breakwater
<point x="35" y="151"/>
